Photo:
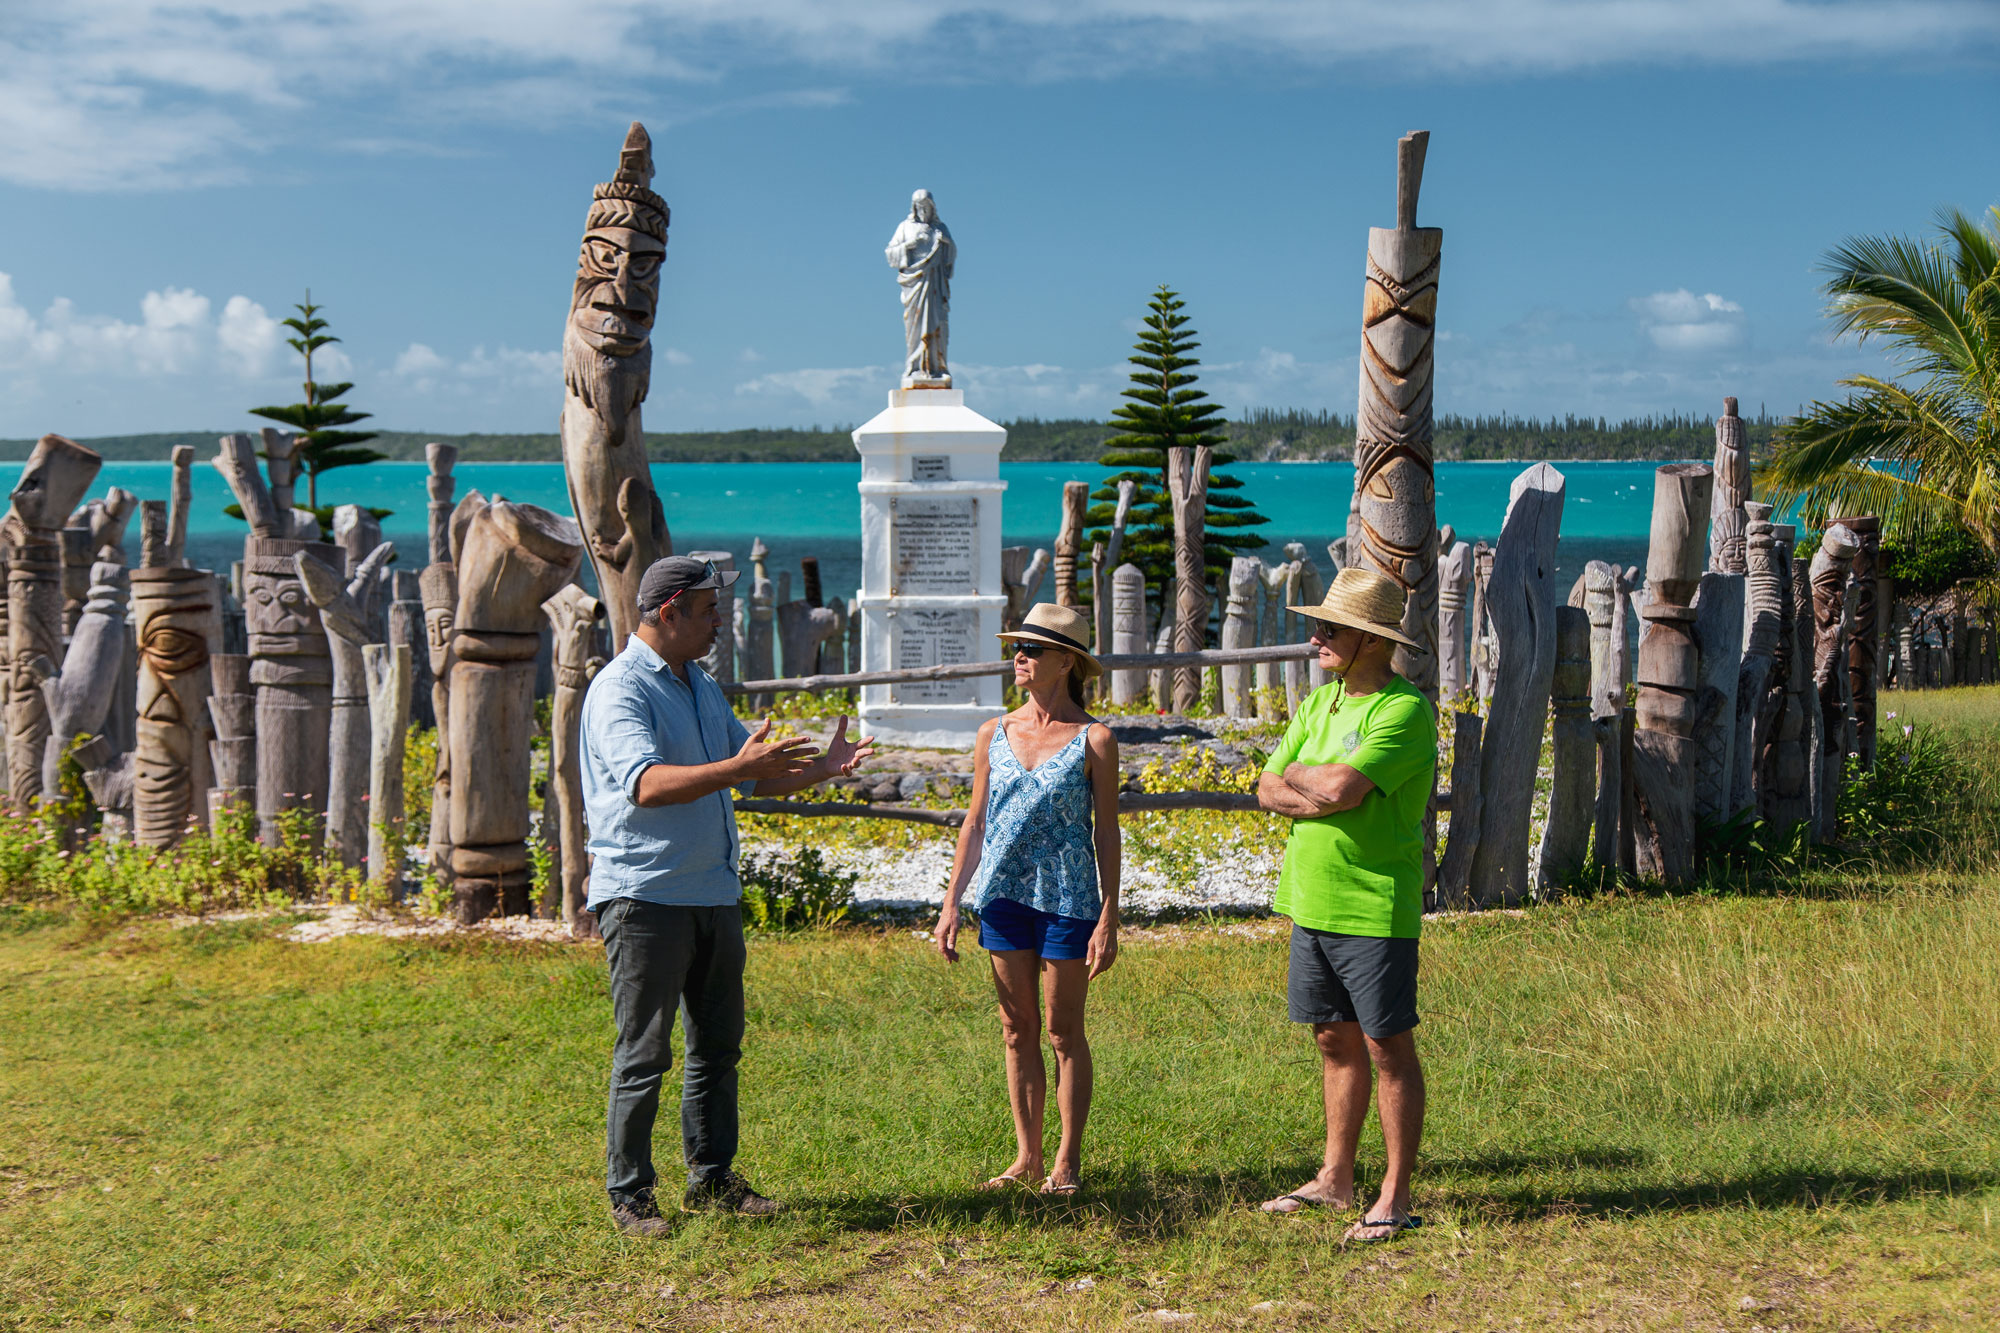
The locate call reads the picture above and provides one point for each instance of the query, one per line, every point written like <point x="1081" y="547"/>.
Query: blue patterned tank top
<point x="1038" y="849"/>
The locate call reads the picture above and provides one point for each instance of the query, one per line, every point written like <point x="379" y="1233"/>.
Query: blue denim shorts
<point x="1005" y="925"/>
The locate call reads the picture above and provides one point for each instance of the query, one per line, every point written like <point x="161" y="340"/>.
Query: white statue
<point x="922" y="252"/>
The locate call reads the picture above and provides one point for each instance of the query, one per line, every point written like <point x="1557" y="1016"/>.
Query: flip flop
<point x="1305" y="1202"/>
<point x="1399" y="1225"/>
<point x="1063" y="1191"/>
<point x="1002" y="1182"/>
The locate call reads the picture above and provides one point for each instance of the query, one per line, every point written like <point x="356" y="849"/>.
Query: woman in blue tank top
<point x="1040" y="850"/>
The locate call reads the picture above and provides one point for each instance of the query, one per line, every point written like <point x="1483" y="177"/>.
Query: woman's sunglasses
<point x="1031" y="651"/>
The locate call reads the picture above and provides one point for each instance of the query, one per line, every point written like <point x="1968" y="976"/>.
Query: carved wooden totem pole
<point x="1394" y="488"/>
<point x="1732" y="488"/>
<point x="57" y="474"/>
<point x="1766" y="617"/>
<point x="1663" y="743"/>
<point x="1521" y="599"/>
<point x="1718" y="638"/>
<point x="1792" y="753"/>
<point x="180" y="624"/>
<point x="1573" y="764"/>
<point x="1601" y="605"/>
<point x="1864" y="644"/>
<point x="388" y="668"/>
<point x="607" y="366"/>
<point x="1069" y="540"/>
<point x="1831" y="616"/>
<point x="1128" y="630"/>
<point x="232" y="708"/>
<point x="344" y="609"/>
<point x="80" y="698"/>
<point x="1454" y="586"/>
<point x="1187" y="487"/>
<point x="573" y="613"/>
<point x="511" y="559"/>
<point x="1484" y="654"/>
<point x="291" y="664"/>
<point x="1239" y="630"/>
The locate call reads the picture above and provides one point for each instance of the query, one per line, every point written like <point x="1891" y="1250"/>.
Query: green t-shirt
<point x="1361" y="871"/>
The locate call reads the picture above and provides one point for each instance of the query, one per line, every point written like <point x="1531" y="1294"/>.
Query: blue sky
<point x="1634" y="194"/>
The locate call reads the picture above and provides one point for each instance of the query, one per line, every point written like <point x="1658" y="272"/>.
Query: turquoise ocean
<point x="812" y="509"/>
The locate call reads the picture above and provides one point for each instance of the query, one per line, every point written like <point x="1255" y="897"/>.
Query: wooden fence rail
<point x="1128" y="803"/>
<point x="1281" y="652"/>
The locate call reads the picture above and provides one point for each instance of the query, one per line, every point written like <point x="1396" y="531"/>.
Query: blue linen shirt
<point x="637" y="713"/>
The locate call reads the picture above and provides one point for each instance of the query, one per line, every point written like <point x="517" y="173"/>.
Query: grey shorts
<point x="1361" y="979"/>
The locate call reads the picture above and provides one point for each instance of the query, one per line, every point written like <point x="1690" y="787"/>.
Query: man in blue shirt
<point x="660" y="749"/>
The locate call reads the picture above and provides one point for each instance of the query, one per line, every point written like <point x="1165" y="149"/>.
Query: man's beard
<point x="610" y="386"/>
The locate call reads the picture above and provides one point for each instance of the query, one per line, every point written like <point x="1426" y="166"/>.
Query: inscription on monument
<point x="934" y="638"/>
<point x="930" y="467"/>
<point x="934" y="546"/>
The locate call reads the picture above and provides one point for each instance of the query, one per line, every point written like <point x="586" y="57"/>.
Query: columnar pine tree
<point x="321" y="448"/>
<point x="1165" y="411"/>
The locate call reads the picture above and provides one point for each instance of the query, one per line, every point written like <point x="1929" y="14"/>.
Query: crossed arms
<point x="1307" y="791"/>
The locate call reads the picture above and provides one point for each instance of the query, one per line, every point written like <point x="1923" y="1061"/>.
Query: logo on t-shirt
<point x="1352" y="740"/>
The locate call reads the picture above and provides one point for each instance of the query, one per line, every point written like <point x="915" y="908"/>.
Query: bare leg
<point x="1015" y="979"/>
<point x="1400" y="1103"/>
<point x="1344" y="1085"/>
<point x="1066" y="981"/>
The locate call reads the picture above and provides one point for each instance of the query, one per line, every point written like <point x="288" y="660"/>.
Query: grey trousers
<point x="662" y="958"/>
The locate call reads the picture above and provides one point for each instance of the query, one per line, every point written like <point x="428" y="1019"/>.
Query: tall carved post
<point x="281" y="458"/>
<point x="1601" y="605"/>
<point x="179" y="623"/>
<point x="1161" y="681"/>
<point x="1906" y="649"/>
<point x="180" y="498"/>
<point x="345" y="608"/>
<point x="607" y="364"/>
<point x="1732" y="488"/>
<point x="1760" y="648"/>
<point x="511" y="559"/>
<point x="232" y="708"/>
<point x="1271" y="677"/>
<point x="1521" y="600"/>
<point x="1718" y="637"/>
<point x="1454" y="585"/>
<point x="1069" y="540"/>
<point x="406" y="625"/>
<point x="441" y="484"/>
<point x="1393" y="483"/>
<point x="1307" y="590"/>
<point x="1128" y="630"/>
<point x="1794" y="750"/>
<point x="574" y="614"/>
<point x="57" y="474"/>
<point x="720" y="663"/>
<point x="1020" y="579"/>
<point x="1485" y="653"/>
<point x="439" y="584"/>
<point x="80" y="698"/>
<point x="388" y="670"/>
<point x="1663" y="745"/>
<point x="1239" y="618"/>
<point x="1573" y="766"/>
<point x="1187" y="485"/>
<point x="1864" y="644"/>
<point x="1112" y="556"/>
<point x="1830" y="570"/>
<point x="1454" y="877"/>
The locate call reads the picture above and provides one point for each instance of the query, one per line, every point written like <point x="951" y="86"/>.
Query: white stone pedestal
<point x="930" y="564"/>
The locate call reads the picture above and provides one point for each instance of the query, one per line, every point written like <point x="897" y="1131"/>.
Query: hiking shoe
<point x="640" y="1218"/>
<point x="728" y="1193"/>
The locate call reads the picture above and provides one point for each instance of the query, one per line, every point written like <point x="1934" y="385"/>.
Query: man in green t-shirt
<point x="1354" y="772"/>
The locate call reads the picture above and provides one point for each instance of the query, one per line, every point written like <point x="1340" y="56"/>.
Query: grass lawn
<point x="1732" y="1113"/>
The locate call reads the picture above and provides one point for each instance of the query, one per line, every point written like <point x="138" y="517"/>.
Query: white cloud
<point x="110" y="94"/>
<point x="819" y="387"/>
<point x="674" y="356"/>
<point x="418" y="360"/>
<point x="249" y="337"/>
<point x="1680" y="321"/>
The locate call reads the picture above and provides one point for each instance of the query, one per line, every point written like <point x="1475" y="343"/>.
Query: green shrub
<point x="794" y="890"/>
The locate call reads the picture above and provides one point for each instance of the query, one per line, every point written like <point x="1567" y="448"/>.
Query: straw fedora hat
<point x="1367" y="601"/>
<point x="1059" y="627"/>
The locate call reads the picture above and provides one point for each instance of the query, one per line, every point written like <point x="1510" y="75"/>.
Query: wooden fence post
<point x="1663" y="744"/>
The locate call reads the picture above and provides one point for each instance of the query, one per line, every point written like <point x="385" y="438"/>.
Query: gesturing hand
<point x="842" y="755"/>
<point x="763" y="760"/>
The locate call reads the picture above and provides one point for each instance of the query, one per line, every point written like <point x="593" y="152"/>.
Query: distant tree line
<point x="1261" y="435"/>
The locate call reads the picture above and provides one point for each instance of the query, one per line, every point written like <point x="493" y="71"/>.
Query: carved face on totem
<point x="437" y="636"/>
<point x="277" y="604"/>
<point x="607" y="343"/>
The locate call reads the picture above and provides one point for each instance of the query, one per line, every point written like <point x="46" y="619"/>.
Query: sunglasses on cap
<point x="709" y="575"/>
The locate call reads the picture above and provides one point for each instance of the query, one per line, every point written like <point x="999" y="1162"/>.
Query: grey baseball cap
<point x="664" y="579"/>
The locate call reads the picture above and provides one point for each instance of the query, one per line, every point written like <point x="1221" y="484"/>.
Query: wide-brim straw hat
<point x="1059" y="627"/>
<point x="1365" y="600"/>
